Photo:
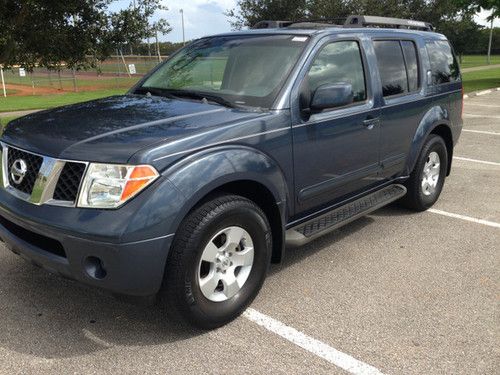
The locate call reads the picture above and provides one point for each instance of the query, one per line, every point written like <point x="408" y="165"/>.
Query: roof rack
<point x="317" y="23"/>
<point x="375" y="21"/>
<point x="271" y="24"/>
<point x="350" y="22"/>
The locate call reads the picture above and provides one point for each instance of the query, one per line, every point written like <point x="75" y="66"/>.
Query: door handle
<point x="371" y="122"/>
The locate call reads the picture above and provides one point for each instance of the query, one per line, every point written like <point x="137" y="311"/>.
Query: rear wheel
<point x="427" y="179"/>
<point x="218" y="262"/>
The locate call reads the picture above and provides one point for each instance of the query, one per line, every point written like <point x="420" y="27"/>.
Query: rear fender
<point x="436" y="116"/>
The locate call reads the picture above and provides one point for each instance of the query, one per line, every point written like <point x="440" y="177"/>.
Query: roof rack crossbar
<point x="375" y="21"/>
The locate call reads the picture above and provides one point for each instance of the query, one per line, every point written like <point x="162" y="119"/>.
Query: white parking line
<point x="482" y="105"/>
<point x="335" y="357"/>
<point x="480" y="132"/>
<point x="484" y="92"/>
<point x="96" y="339"/>
<point x="476" y="161"/>
<point x="466" y="218"/>
<point x="470" y="115"/>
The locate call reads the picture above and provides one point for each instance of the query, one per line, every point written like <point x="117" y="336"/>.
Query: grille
<point x="69" y="182"/>
<point x="33" y="162"/>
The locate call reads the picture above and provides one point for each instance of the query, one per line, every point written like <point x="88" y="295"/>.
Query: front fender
<point x="201" y="173"/>
<point x="433" y="118"/>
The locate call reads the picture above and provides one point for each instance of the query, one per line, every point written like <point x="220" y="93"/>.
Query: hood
<point x="113" y="129"/>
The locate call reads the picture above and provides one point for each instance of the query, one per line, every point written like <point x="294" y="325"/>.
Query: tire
<point x="218" y="222"/>
<point x="422" y="195"/>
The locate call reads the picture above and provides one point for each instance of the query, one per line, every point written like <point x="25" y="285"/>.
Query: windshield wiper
<point x="154" y="91"/>
<point x="177" y="94"/>
<point x="202" y="96"/>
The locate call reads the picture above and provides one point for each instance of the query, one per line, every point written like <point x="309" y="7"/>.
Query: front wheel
<point x="218" y="262"/>
<point x="427" y="179"/>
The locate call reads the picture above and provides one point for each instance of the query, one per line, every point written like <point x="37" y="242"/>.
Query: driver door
<point x="336" y="151"/>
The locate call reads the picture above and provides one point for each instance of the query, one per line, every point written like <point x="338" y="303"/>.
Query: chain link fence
<point x="117" y="72"/>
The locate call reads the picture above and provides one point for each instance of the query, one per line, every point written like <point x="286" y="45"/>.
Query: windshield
<point x="238" y="70"/>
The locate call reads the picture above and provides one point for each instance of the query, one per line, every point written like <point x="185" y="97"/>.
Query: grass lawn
<point x="41" y="80"/>
<point x="481" y="80"/>
<point x="20" y="103"/>
<point x="469" y="61"/>
<point x="5" y="120"/>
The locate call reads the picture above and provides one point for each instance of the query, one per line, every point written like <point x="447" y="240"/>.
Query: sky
<point x="206" y="17"/>
<point x="201" y="17"/>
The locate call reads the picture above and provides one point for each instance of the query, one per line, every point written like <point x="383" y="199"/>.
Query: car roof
<point x="327" y="30"/>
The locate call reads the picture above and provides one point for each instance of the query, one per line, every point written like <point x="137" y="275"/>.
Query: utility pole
<point x="489" y="43"/>
<point x="183" y="34"/>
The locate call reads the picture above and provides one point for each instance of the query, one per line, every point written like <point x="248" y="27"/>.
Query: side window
<point x="339" y="62"/>
<point x="391" y="65"/>
<point x="410" y="54"/>
<point x="444" y="65"/>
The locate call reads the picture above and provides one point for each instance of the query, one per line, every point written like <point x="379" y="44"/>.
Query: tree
<point x="476" y="5"/>
<point x="132" y="25"/>
<point x="464" y="34"/>
<point x="249" y="12"/>
<point x="49" y="32"/>
<point x="159" y="27"/>
<point x="76" y="33"/>
<point x="493" y="6"/>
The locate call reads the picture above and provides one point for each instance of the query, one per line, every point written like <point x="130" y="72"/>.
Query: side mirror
<point x="332" y="95"/>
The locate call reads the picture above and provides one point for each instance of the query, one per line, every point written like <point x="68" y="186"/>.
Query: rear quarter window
<point x="444" y="65"/>
<point x="391" y="65"/>
<point x="411" y="60"/>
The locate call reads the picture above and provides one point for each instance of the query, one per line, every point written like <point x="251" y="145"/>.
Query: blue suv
<point x="191" y="184"/>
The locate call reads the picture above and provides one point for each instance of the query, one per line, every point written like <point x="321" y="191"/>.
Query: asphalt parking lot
<point x="394" y="293"/>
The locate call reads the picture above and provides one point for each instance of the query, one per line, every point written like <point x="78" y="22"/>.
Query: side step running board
<point x="340" y="216"/>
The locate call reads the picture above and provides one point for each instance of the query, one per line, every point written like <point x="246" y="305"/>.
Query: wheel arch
<point x="235" y="170"/>
<point x="444" y="132"/>
<point x="435" y="121"/>
<point x="262" y="196"/>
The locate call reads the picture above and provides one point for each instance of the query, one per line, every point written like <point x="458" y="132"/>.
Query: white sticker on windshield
<point x="299" y="39"/>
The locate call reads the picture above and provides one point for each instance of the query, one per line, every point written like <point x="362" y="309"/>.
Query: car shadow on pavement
<point x="299" y="254"/>
<point x="49" y="317"/>
<point x="394" y="209"/>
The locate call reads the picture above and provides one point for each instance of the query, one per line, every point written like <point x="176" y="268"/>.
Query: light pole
<point x="183" y="34"/>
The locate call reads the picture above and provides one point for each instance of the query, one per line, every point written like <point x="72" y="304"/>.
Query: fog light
<point x="94" y="268"/>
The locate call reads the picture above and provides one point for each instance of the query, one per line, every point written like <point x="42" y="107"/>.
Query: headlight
<point x="110" y="186"/>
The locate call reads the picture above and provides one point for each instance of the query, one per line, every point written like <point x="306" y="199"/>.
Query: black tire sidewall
<point x="211" y="314"/>
<point x="434" y="144"/>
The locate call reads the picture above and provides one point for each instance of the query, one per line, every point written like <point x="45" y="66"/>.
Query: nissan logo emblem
<point x="18" y="171"/>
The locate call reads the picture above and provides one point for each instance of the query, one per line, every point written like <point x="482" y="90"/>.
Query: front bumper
<point x="57" y="242"/>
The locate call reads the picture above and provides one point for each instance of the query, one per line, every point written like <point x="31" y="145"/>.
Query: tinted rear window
<point x="444" y="65"/>
<point x="391" y="66"/>
<point x="410" y="54"/>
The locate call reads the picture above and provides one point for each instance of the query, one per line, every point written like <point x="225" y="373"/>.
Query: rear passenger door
<point x="336" y="150"/>
<point x="402" y="100"/>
